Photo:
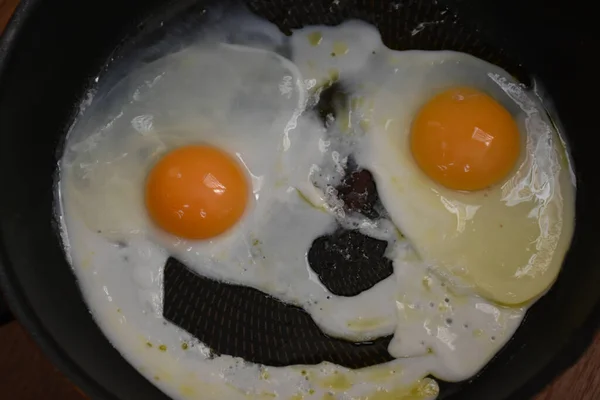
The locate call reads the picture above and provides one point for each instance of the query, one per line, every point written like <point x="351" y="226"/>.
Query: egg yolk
<point x="196" y="192"/>
<point x="464" y="139"/>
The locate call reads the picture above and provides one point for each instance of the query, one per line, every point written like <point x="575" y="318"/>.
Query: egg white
<point x="509" y="240"/>
<point x="248" y="102"/>
<point x="119" y="256"/>
<point x="255" y="104"/>
<point x="466" y="252"/>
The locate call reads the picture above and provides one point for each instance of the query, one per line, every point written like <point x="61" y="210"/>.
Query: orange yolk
<point x="196" y="192"/>
<point x="464" y="140"/>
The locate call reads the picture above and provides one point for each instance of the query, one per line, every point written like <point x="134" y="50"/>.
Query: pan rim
<point x="9" y="285"/>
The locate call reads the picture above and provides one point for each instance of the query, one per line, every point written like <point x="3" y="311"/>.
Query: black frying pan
<point x="52" y="50"/>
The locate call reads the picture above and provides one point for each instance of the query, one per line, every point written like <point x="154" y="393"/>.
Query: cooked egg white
<point x="234" y="91"/>
<point x="469" y="254"/>
<point x="508" y="240"/>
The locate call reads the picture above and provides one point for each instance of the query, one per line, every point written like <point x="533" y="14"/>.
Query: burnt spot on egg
<point x="358" y="191"/>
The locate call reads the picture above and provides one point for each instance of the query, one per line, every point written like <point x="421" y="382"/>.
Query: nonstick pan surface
<point x="53" y="50"/>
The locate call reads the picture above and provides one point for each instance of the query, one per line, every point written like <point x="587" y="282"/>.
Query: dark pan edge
<point x="26" y="316"/>
<point x="9" y="285"/>
<point x="567" y="357"/>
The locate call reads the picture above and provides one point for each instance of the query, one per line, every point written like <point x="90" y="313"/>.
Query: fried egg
<point x="243" y="109"/>
<point x="507" y="238"/>
<point x="472" y="172"/>
<point x="214" y="154"/>
<point x="216" y="176"/>
<point x="489" y="206"/>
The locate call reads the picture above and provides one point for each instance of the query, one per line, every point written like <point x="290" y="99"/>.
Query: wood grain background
<point x="26" y="374"/>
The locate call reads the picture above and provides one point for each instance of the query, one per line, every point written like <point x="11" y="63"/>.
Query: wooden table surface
<point x="26" y="374"/>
